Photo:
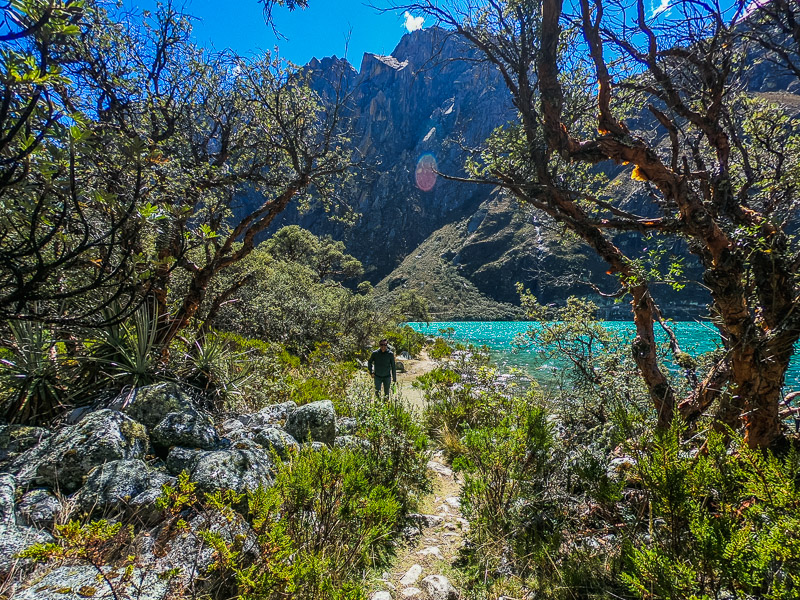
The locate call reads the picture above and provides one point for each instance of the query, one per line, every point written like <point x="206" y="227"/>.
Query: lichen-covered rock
<point x="79" y="582"/>
<point x="351" y="442"/>
<point x="185" y="554"/>
<point x="234" y="469"/>
<point x="274" y="414"/>
<point x="190" y="429"/>
<point x="39" y="508"/>
<point x="13" y="539"/>
<point x="315" y="419"/>
<point x="62" y="460"/>
<point x="272" y="437"/>
<point x="182" y="459"/>
<point x="16" y="439"/>
<point x="150" y="404"/>
<point x="346" y="426"/>
<point x="121" y="486"/>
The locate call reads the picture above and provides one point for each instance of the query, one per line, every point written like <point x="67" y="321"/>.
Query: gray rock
<point x="422" y="521"/>
<point x="16" y="439"/>
<point x="79" y="582"/>
<point x="39" y="508"/>
<point x="352" y="442"/>
<point x="411" y="576"/>
<point x="190" y="429"/>
<point x="182" y="459"/>
<point x="150" y="404"/>
<point x="237" y="470"/>
<point x="439" y="588"/>
<point x="381" y="596"/>
<point x="346" y="426"/>
<point x="13" y="539"/>
<point x="232" y="425"/>
<point x="8" y="486"/>
<point x="62" y="460"/>
<point x="187" y="555"/>
<point x="316" y="419"/>
<point x="620" y="466"/>
<point x="121" y="486"/>
<point x="272" y="437"/>
<point x="274" y="414"/>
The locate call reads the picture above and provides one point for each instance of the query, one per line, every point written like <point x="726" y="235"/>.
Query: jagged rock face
<point x="402" y="107"/>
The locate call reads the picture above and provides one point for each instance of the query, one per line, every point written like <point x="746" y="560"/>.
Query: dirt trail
<point x="413" y="369"/>
<point x="422" y="567"/>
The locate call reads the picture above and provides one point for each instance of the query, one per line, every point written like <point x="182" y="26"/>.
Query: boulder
<point x="346" y="426"/>
<point x="277" y="439"/>
<point x="182" y="459"/>
<point x="234" y="469"/>
<point x="121" y="486"/>
<point x="62" y="460"/>
<point x="189" y="429"/>
<point x="13" y="539"/>
<point x="79" y="582"/>
<point x="39" y="508"/>
<point x="150" y="404"/>
<point x="16" y="439"/>
<point x="316" y="420"/>
<point x="351" y="442"/>
<point x="274" y="414"/>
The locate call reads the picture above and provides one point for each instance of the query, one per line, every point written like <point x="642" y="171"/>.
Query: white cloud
<point x="663" y="7"/>
<point x="413" y="23"/>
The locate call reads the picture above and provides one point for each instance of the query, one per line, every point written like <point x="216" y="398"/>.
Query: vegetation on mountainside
<point x="725" y="182"/>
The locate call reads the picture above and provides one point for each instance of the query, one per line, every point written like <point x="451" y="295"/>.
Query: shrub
<point x="724" y="522"/>
<point x="396" y="452"/>
<point x="317" y="528"/>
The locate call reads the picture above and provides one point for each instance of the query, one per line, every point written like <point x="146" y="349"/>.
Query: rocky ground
<point x="422" y="566"/>
<point x="113" y="460"/>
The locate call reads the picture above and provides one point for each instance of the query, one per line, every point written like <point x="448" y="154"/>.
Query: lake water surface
<point x="694" y="338"/>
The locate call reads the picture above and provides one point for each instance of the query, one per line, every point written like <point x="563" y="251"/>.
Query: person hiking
<point x="382" y="368"/>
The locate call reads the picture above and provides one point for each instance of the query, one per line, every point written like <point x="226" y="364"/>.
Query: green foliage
<point x="410" y="306"/>
<point x="34" y="376"/>
<point x="723" y="522"/>
<point x="288" y="302"/>
<point x="464" y="393"/>
<point x="317" y="528"/>
<point x="396" y="452"/>
<point x="404" y="338"/>
<point x="324" y="256"/>
<point x="508" y="469"/>
<point x="128" y="352"/>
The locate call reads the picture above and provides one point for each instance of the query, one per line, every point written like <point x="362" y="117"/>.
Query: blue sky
<point x="323" y="29"/>
<point x="320" y="30"/>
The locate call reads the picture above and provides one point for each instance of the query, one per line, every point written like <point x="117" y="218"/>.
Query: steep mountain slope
<point x="463" y="246"/>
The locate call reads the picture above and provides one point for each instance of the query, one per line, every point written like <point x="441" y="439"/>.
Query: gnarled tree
<point x="717" y="166"/>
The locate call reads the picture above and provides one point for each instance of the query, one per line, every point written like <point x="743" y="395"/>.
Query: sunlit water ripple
<point x="694" y="338"/>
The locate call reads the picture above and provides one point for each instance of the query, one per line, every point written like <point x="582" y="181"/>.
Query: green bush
<point x="724" y="523"/>
<point x="396" y="453"/>
<point x="508" y="472"/>
<point x="405" y="339"/>
<point x="320" y="525"/>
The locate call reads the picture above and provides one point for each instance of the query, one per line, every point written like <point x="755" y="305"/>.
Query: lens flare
<point x="425" y="173"/>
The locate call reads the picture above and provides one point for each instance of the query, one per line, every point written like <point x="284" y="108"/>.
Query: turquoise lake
<point x="694" y="338"/>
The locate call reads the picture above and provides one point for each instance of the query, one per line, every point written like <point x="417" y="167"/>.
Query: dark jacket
<point x="381" y="364"/>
